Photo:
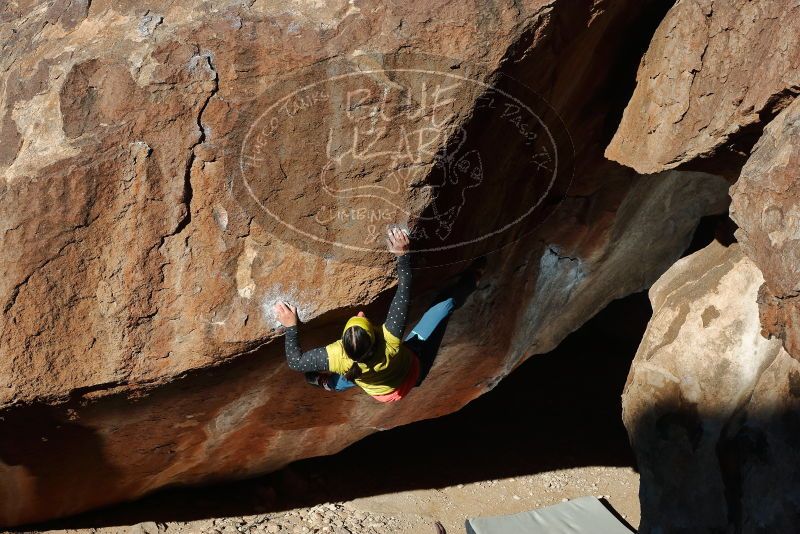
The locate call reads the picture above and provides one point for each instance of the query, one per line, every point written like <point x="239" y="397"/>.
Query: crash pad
<point x="585" y="515"/>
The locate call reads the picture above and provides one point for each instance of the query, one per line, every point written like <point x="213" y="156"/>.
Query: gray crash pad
<point x="585" y="515"/>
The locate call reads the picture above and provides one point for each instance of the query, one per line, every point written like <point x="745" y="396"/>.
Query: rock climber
<point x="376" y="359"/>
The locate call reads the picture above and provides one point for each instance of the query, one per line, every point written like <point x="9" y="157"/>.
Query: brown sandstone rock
<point x="711" y="407"/>
<point x="766" y="206"/>
<point x="715" y="73"/>
<point x="136" y="276"/>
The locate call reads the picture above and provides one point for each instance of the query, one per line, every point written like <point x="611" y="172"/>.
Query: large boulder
<point x="711" y="399"/>
<point x="716" y="72"/>
<point x="713" y="408"/>
<point x="164" y="174"/>
<point x="766" y="206"/>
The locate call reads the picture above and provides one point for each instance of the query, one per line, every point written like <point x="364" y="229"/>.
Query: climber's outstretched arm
<point x="399" y="244"/>
<point x="311" y="360"/>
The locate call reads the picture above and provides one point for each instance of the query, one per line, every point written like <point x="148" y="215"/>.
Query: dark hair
<point x="357" y="345"/>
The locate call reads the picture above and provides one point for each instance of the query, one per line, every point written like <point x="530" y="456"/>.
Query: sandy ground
<point x="416" y="511"/>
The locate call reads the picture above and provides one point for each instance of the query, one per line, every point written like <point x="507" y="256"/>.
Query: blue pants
<point x="424" y="339"/>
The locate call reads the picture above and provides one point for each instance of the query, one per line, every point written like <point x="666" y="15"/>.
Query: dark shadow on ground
<point x="557" y="410"/>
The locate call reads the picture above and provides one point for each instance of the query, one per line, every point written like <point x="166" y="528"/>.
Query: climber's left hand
<point x="286" y="314"/>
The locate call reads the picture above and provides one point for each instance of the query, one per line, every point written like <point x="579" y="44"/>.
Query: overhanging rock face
<point x="153" y="210"/>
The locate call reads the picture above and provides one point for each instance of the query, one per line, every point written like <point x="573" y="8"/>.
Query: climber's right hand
<point x="398" y="241"/>
<point x="286" y="314"/>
